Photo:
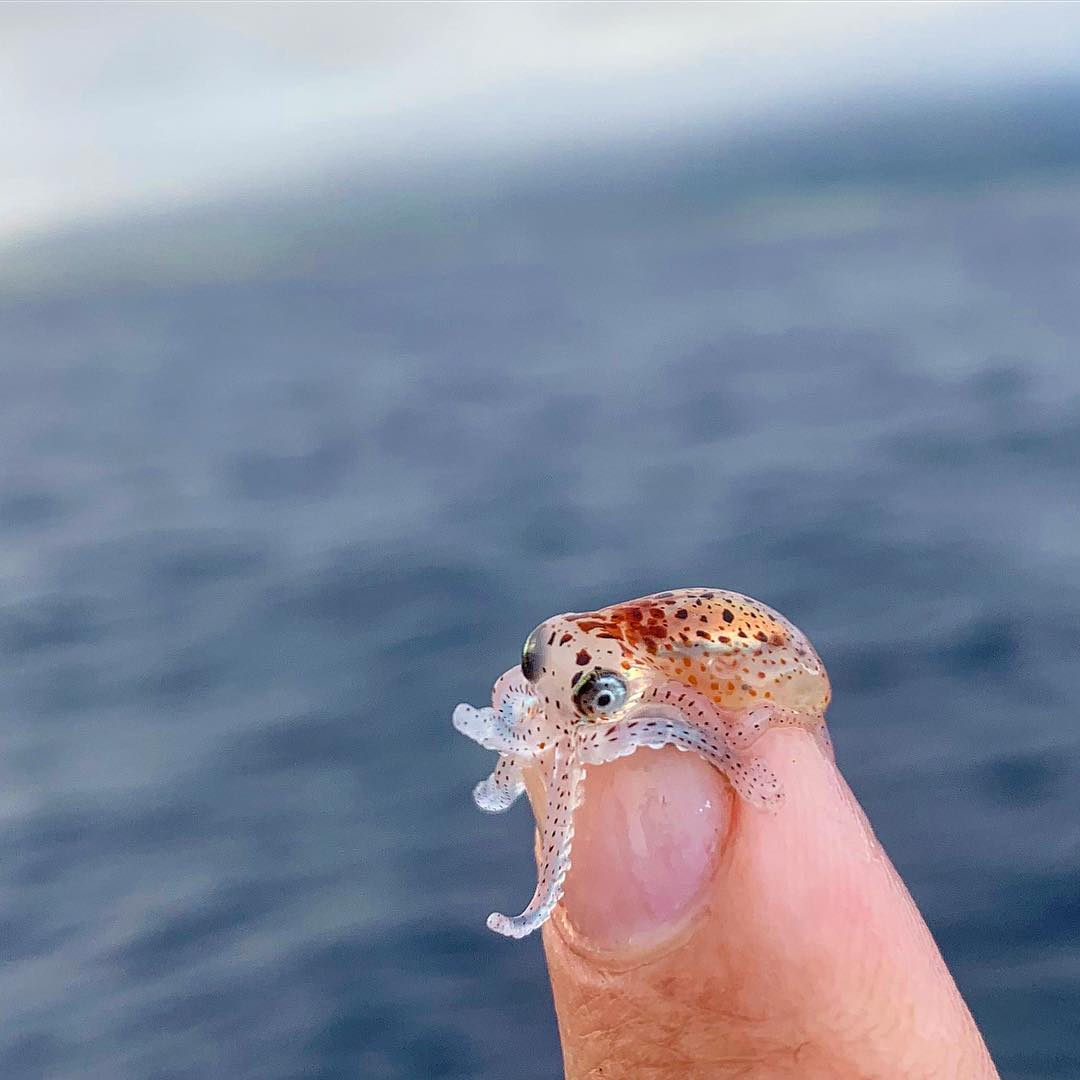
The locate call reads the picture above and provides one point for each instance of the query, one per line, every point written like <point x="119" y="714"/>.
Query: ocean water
<point x="280" y="485"/>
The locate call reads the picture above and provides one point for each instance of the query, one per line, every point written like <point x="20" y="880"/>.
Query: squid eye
<point x="530" y="657"/>
<point x="599" y="692"/>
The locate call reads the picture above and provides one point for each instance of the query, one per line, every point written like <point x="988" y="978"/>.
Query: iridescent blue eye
<point x="599" y="692"/>
<point x="530" y="657"/>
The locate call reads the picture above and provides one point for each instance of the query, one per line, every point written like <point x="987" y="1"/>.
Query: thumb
<point x="699" y="937"/>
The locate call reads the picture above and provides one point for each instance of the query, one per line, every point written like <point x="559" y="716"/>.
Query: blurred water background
<point x="340" y="346"/>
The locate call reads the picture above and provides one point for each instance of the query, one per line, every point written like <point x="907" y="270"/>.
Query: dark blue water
<point x="280" y="486"/>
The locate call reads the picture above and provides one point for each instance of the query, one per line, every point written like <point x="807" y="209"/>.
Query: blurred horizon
<point x="1027" y="139"/>
<point x="113" y="109"/>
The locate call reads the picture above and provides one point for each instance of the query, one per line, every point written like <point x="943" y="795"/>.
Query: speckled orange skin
<point x="736" y="651"/>
<point x="704" y="670"/>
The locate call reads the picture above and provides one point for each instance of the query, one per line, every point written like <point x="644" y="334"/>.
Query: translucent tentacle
<point x="562" y="781"/>
<point x="824" y="740"/>
<point x="493" y="730"/>
<point x="676" y="716"/>
<point x="750" y="724"/>
<point x="514" y="723"/>
<point x="602" y="743"/>
<point x="501" y="789"/>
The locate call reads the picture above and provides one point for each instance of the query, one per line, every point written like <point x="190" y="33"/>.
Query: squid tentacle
<point x="495" y="729"/>
<point x="563" y="783"/>
<point x="513" y="724"/>
<point x="502" y="788"/>
<point x="675" y="715"/>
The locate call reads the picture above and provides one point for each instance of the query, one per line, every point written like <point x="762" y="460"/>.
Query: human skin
<point x="701" y="937"/>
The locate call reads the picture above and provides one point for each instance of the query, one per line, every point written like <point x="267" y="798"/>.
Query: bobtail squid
<point x="704" y="670"/>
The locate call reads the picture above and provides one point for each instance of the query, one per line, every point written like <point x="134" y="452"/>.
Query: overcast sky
<point x="110" y="108"/>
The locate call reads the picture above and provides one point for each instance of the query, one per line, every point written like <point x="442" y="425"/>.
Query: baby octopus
<point x="703" y="670"/>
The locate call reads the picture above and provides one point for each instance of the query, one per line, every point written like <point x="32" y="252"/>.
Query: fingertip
<point x="731" y="931"/>
<point x="646" y="841"/>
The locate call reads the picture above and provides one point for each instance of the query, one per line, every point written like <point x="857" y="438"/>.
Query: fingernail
<point x="645" y="842"/>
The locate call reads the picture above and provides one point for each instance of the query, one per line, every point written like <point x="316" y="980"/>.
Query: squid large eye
<point x="599" y="692"/>
<point x="530" y="657"/>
